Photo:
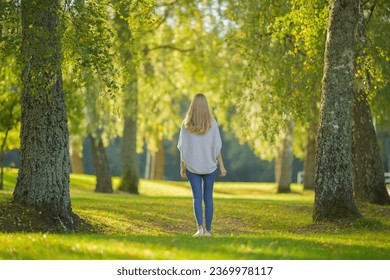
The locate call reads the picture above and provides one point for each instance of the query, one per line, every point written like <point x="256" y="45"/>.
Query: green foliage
<point x="247" y="225"/>
<point x="9" y="105"/>
<point x="377" y="62"/>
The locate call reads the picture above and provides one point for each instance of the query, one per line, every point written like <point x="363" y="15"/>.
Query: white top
<point x="199" y="152"/>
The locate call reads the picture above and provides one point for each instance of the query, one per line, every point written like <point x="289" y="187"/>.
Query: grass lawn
<point x="251" y="221"/>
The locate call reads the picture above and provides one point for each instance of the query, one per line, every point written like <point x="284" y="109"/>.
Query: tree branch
<point x="166" y="14"/>
<point x="371" y="12"/>
<point x="171" y="47"/>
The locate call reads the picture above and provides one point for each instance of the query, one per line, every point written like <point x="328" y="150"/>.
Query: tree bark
<point x="43" y="179"/>
<point x="284" y="162"/>
<point x="158" y="161"/>
<point x="333" y="181"/>
<point x="129" y="161"/>
<point x="369" y="179"/>
<point x="100" y="163"/>
<point x="310" y="157"/>
<point x="368" y="171"/>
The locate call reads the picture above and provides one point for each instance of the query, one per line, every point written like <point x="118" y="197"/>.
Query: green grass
<point x="251" y="221"/>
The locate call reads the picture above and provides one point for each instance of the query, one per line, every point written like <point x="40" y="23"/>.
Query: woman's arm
<point x="221" y="166"/>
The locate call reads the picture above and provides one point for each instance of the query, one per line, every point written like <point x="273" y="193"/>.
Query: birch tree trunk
<point x="369" y="179"/>
<point x="284" y="162"/>
<point x="43" y="179"/>
<point x="333" y="182"/>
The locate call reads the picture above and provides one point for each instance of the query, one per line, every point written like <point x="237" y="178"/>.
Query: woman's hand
<point x="183" y="173"/>
<point x="223" y="171"/>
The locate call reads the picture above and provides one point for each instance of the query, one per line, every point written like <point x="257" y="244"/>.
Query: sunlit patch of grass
<point x="251" y="221"/>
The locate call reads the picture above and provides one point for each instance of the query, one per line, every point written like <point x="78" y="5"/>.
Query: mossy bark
<point x="43" y="179"/>
<point x="333" y="181"/>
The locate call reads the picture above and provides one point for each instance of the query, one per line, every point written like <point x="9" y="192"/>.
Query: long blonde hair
<point x="198" y="118"/>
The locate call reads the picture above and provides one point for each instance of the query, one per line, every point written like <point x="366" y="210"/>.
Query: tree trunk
<point x="369" y="179"/>
<point x="278" y="166"/>
<point x="333" y="182"/>
<point x="310" y="157"/>
<point x="43" y="179"/>
<point x="100" y="163"/>
<point x="148" y="164"/>
<point x="1" y="170"/>
<point x="284" y="162"/>
<point x="76" y="159"/>
<point x="129" y="162"/>
<point x="158" y="161"/>
<point x="129" y="180"/>
<point x="387" y="152"/>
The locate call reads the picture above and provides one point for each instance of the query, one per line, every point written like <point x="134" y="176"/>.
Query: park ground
<point x="251" y="221"/>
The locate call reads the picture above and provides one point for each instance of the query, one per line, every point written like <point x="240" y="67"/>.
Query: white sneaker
<point x="198" y="233"/>
<point x="207" y="233"/>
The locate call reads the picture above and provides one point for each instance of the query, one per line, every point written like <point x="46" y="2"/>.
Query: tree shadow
<point x="15" y="217"/>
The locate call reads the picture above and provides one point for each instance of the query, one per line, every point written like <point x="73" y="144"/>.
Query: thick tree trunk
<point x="158" y="161"/>
<point x="43" y="179"/>
<point x="284" y="161"/>
<point x="129" y="162"/>
<point x="369" y="179"/>
<point x="76" y="159"/>
<point x="100" y="163"/>
<point x="333" y="182"/>
<point x="310" y="158"/>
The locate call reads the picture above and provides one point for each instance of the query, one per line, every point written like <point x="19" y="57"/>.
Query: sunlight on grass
<point x="251" y="221"/>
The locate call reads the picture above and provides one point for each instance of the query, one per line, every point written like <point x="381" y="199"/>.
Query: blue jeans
<point x="196" y="181"/>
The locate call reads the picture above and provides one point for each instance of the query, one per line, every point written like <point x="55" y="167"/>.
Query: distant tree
<point x="9" y="124"/>
<point x="128" y="59"/>
<point x="43" y="179"/>
<point x="92" y="83"/>
<point x="334" y="186"/>
<point x="284" y="161"/>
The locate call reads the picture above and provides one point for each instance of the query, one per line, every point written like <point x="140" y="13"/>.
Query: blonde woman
<point x="200" y="152"/>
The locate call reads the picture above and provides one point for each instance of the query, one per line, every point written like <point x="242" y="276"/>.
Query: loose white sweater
<point x="199" y="152"/>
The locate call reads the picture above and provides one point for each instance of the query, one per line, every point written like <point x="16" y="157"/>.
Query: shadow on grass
<point x="15" y="217"/>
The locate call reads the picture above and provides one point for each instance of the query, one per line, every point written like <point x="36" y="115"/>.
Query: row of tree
<point x="104" y="69"/>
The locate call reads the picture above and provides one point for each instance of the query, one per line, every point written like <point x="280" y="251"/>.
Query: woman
<point x="200" y="152"/>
